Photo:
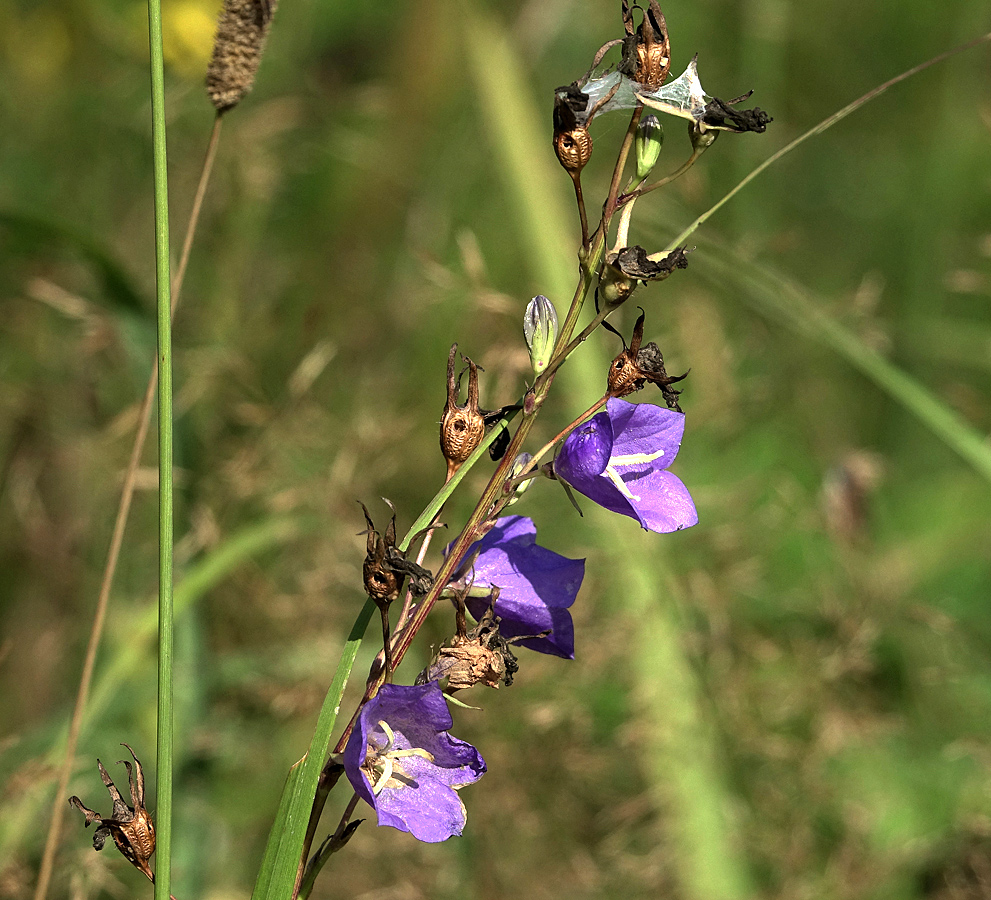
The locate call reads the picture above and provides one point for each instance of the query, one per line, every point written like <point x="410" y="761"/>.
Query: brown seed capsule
<point x="480" y="655"/>
<point x="573" y="148"/>
<point x="237" y="50"/>
<point x="462" y="427"/>
<point x="632" y="369"/>
<point x="131" y="827"/>
<point x="647" y="49"/>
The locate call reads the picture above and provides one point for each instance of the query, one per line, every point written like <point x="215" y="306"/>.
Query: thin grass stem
<point x="828" y="122"/>
<point x="165" y="739"/>
<point x="116" y="542"/>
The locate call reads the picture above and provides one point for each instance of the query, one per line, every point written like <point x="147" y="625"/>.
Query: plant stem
<point x="116" y="542"/>
<point x="164" y="765"/>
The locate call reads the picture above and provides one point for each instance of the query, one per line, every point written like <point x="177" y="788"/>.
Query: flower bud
<point x="649" y="140"/>
<point x="540" y="327"/>
<point x="615" y="286"/>
<point x="519" y="464"/>
<point x="701" y="140"/>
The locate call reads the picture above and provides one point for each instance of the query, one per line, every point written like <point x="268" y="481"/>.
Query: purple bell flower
<point x="536" y="585"/>
<point x="619" y="459"/>
<point x="403" y="763"/>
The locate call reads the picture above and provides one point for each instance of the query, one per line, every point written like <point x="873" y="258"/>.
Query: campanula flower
<point x="536" y="586"/>
<point x="619" y="459"/>
<point x="401" y="760"/>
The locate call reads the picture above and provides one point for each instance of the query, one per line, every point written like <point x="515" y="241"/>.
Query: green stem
<point x="163" y="794"/>
<point x="828" y="122"/>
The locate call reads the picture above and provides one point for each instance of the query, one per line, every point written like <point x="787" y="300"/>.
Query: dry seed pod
<point x="237" y="50"/>
<point x="573" y="148"/>
<point x="462" y="427"/>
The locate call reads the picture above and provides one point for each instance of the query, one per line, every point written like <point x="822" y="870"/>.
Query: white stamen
<point x="631" y="459"/>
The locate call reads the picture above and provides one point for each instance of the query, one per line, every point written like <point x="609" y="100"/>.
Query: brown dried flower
<point x="131" y="827"/>
<point x="385" y="567"/>
<point x="480" y="655"/>
<point x="462" y="427"/>
<point x="237" y="50"/>
<point x="646" y="49"/>
<point x="636" y="366"/>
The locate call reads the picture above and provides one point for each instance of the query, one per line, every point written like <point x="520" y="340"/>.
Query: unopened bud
<point x="615" y="286"/>
<point x="540" y="327"/>
<point x="701" y="140"/>
<point x="519" y="464"/>
<point x="649" y="141"/>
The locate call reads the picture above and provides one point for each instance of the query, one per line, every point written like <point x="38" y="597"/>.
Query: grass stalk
<point x="116" y="542"/>
<point x="164" y="763"/>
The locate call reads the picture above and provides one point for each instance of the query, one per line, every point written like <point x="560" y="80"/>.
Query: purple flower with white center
<point x="536" y="586"/>
<point x="403" y="763"/>
<point x="619" y="459"/>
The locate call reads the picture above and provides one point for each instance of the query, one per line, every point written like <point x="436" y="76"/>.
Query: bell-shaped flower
<point x="536" y="586"/>
<point x="401" y="760"/>
<point x="619" y="459"/>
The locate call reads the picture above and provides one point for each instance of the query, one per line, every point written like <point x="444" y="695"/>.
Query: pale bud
<point x="540" y="327"/>
<point x="519" y="464"/>
<point x="649" y="141"/>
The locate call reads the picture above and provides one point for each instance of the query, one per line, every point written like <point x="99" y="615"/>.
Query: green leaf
<point x="277" y="876"/>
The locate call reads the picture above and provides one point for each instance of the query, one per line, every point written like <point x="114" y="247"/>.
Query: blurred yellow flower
<point x="187" y="35"/>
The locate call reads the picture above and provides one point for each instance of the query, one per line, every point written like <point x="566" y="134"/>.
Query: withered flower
<point x="385" y="567"/>
<point x="479" y="655"/>
<point x="462" y="427"/>
<point x="636" y="366"/>
<point x="635" y="263"/>
<point x="623" y="270"/>
<point x="722" y="116"/>
<point x="384" y="570"/>
<point x="131" y="827"/>
<point x="646" y="49"/>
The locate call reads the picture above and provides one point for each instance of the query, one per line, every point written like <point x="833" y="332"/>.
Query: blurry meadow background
<point x="790" y="700"/>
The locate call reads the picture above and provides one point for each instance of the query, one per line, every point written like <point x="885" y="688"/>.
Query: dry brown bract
<point x="131" y="827"/>
<point x="462" y="427"/>
<point x="636" y="365"/>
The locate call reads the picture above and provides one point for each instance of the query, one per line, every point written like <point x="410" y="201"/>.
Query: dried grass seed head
<point x="237" y="50"/>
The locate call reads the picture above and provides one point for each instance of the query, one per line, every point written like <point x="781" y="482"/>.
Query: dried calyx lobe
<point x="637" y="365"/>
<point x="385" y="567"/>
<point x="131" y="827"/>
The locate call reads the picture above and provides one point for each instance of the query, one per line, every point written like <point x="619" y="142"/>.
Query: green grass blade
<point x="263" y="884"/>
<point x="165" y="759"/>
<point x="784" y="301"/>
<point x="277" y="877"/>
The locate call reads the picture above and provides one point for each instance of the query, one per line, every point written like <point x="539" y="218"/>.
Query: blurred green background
<point x="791" y="700"/>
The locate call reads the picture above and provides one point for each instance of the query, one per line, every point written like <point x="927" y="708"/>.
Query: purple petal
<point x="536" y="586"/>
<point x="664" y="505"/>
<point x="632" y="481"/>
<point x="586" y="452"/>
<point x="419" y="717"/>
<point x="645" y="428"/>
<point x="432" y="811"/>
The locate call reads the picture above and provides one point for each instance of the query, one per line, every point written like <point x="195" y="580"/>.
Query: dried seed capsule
<point x="131" y="827"/>
<point x="573" y="148"/>
<point x="237" y="50"/>
<point x="462" y="427"/>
